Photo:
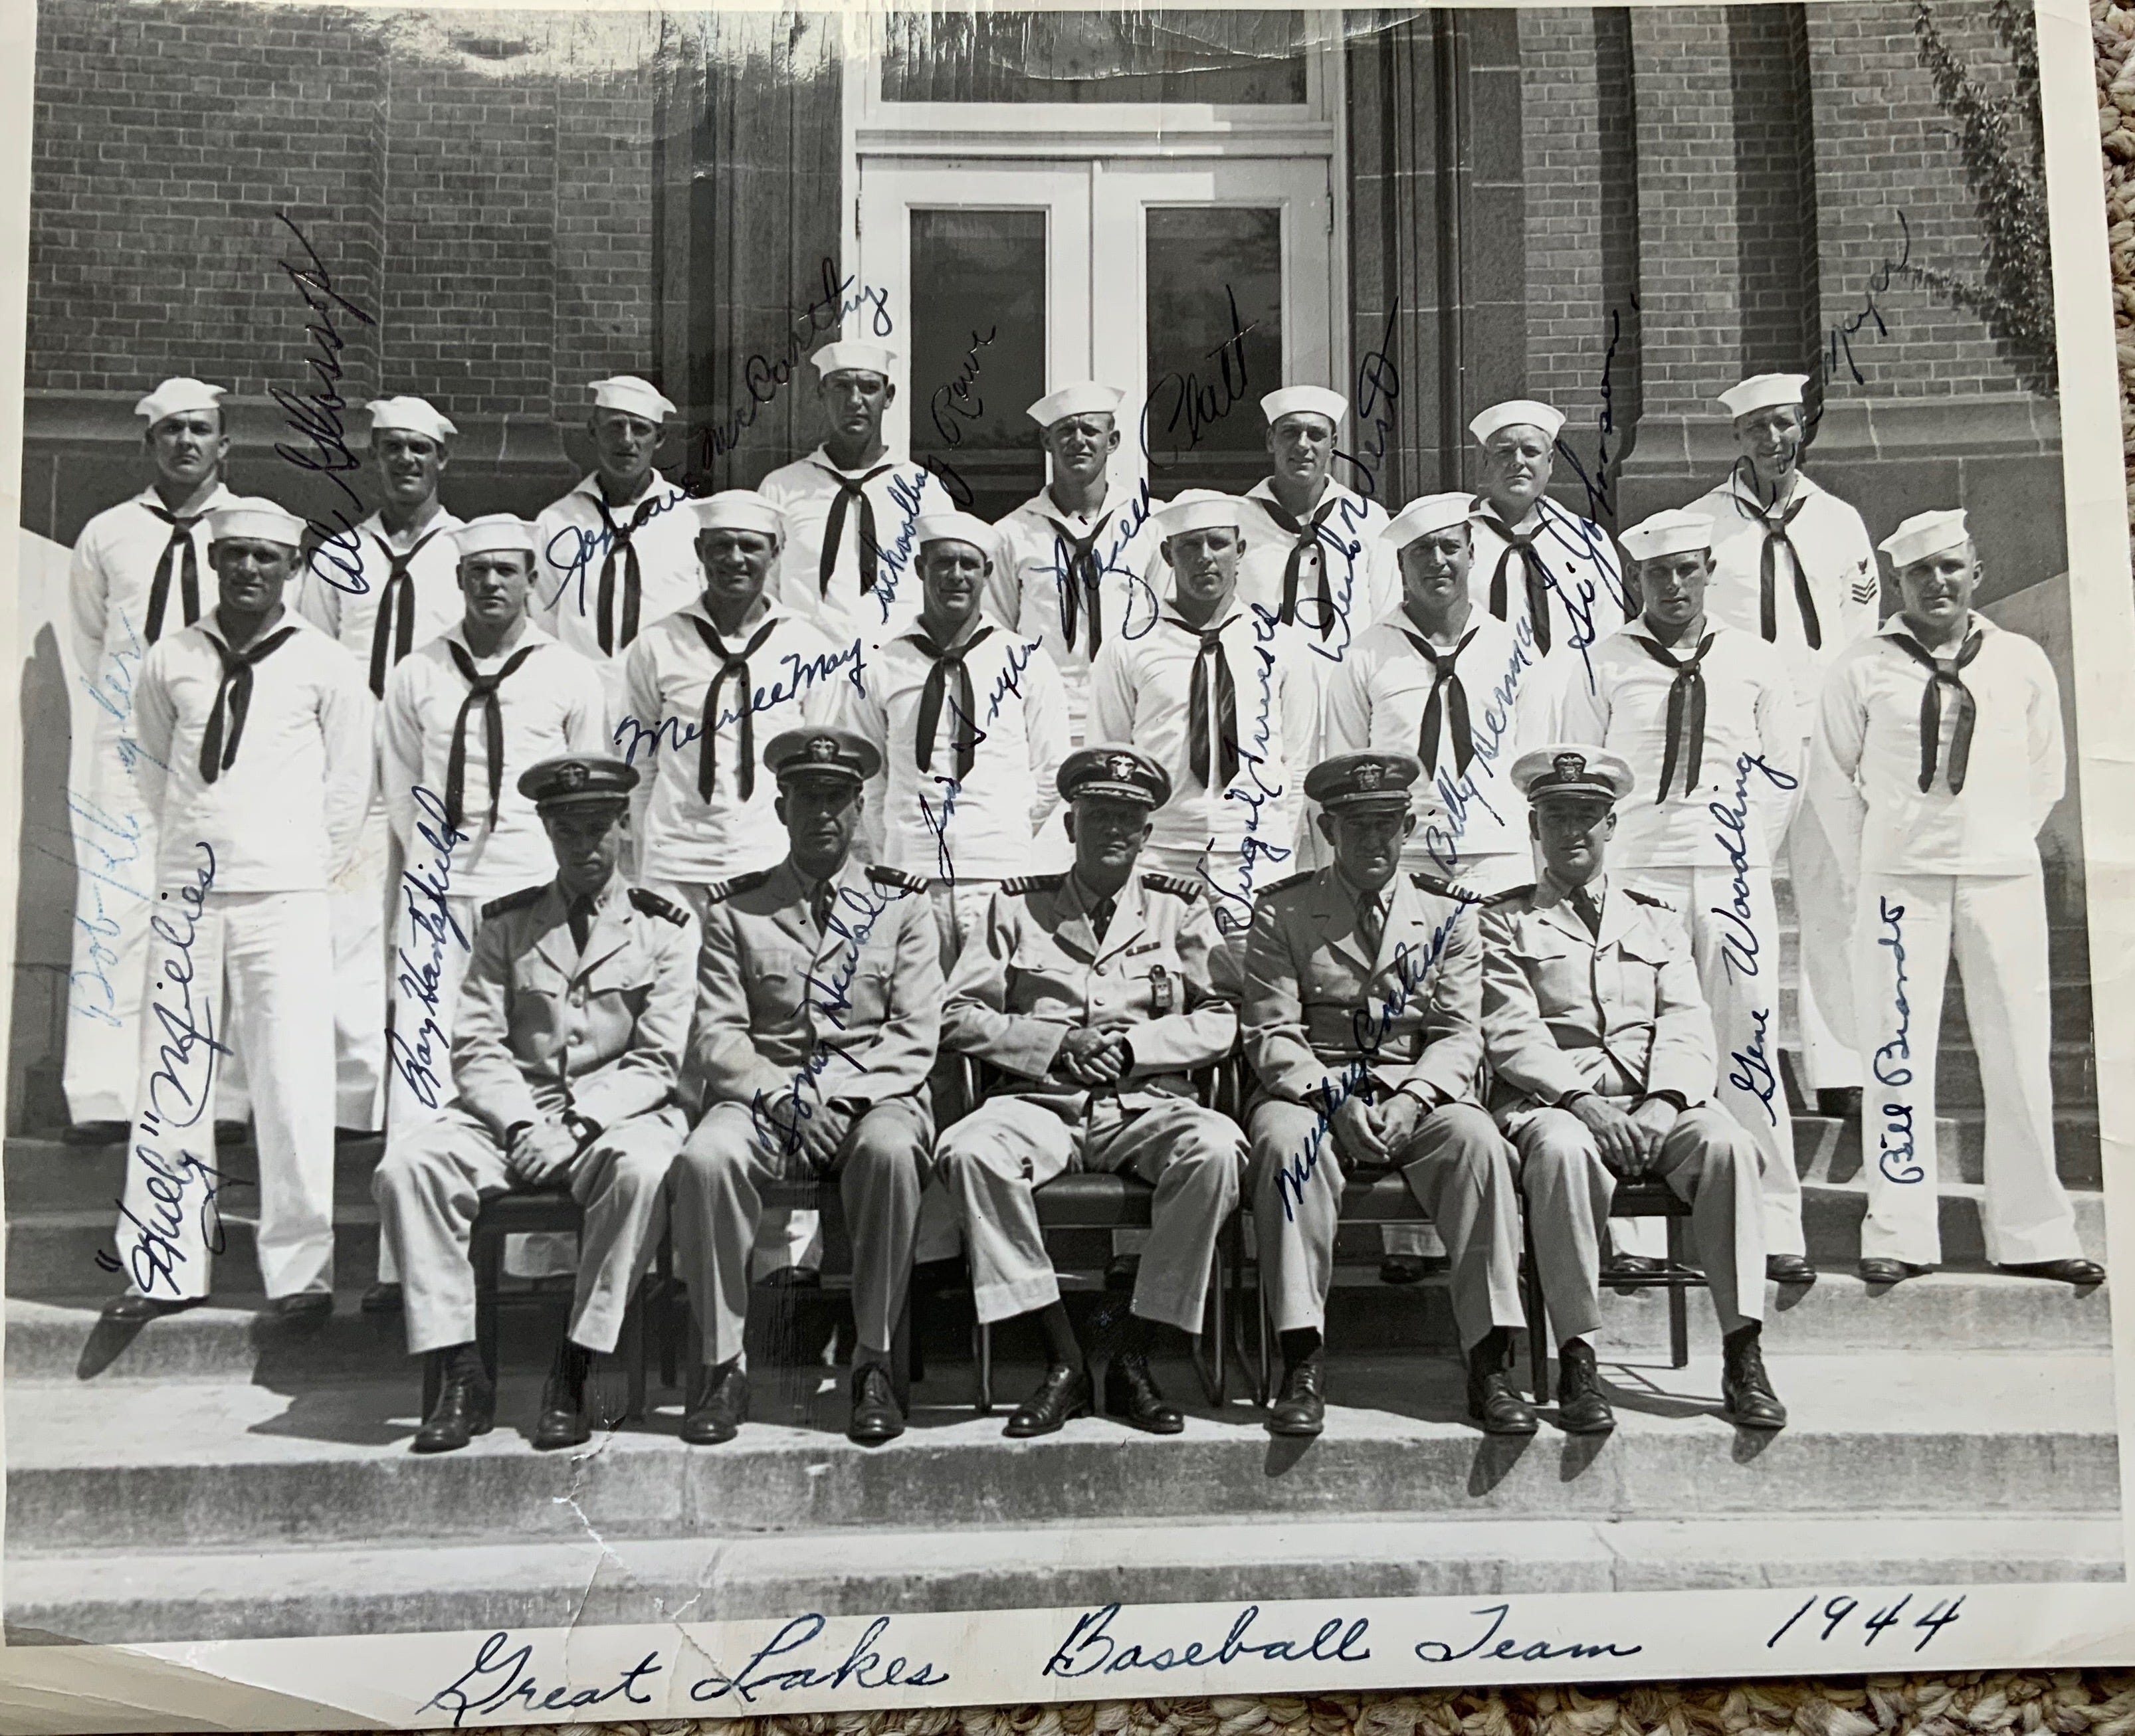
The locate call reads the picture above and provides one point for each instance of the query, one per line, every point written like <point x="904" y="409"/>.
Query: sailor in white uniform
<point x="1793" y="564"/>
<point x="850" y="507"/>
<point x="140" y="572"/>
<point x="1937" y="756"/>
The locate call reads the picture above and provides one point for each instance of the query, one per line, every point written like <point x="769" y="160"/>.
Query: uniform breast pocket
<point x="1559" y="980"/>
<point x="1638" y="965"/>
<point x="774" y="986"/>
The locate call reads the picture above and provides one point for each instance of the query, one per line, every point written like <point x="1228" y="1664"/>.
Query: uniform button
<point x="577" y="997"/>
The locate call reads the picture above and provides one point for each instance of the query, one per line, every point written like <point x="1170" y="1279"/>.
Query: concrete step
<point x="172" y="1467"/>
<point x="50" y="1174"/>
<point x="65" y="1342"/>
<point x="116" y="1597"/>
<point x="53" y="1252"/>
<point x="1832" y="1212"/>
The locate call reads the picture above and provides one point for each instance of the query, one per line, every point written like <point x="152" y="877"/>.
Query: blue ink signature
<point x="1234" y="909"/>
<point x="426" y="889"/>
<point x="948" y="409"/>
<point x="1459" y="792"/>
<point x="1378" y="386"/>
<point x="1895" y="1154"/>
<point x="1092" y="1648"/>
<point x="315" y="416"/>
<point x="1753" y="1070"/>
<point x="764" y="377"/>
<point x="1008" y="681"/>
<point x="1370" y="1029"/>
<point x="671" y="735"/>
<point x="582" y="547"/>
<point x="1739" y="946"/>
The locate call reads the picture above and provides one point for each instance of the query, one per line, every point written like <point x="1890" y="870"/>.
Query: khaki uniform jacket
<point x="1162" y="976"/>
<point x="540" y="1027"/>
<point x="1316" y="1006"/>
<point x="1563" y="1010"/>
<point x="852" y="1012"/>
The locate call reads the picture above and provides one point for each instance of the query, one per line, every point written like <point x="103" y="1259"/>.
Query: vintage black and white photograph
<point x="873" y="813"/>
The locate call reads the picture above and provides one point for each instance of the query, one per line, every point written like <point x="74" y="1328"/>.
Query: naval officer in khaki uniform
<point x="1362" y="1019"/>
<point x="1096" y="991"/>
<point x="819" y="1002"/>
<point x="567" y="1044"/>
<point x="1603" y="1054"/>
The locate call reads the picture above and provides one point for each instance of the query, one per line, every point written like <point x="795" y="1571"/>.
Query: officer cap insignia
<point x="897" y="877"/>
<point x="822" y="749"/>
<point x="513" y="901"/>
<point x="1369" y="776"/>
<point x="1570" y="766"/>
<point x="724" y="889"/>
<point x="1121" y="765"/>
<point x="1035" y="884"/>
<point x="652" y="904"/>
<point x="1172" y="883"/>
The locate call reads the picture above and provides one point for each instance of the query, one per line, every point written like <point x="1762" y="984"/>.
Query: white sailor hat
<point x="253" y="515"/>
<point x="957" y="527"/>
<point x="410" y="416"/>
<point x="1923" y="534"/>
<point x="1426" y="514"/>
<point x="492" y="533"/>
<point x="176" y="395"/>
<point x="739" y="508"/>
<point x="1572" y="768"/>
<point x="1305" y="400"/>
<point x="1196" y="509"/>
<point x="1517" y="413"/>
<point x="861" y="357"/>
<point x="636" y="397"/>
<point x="1673" y="532"/>
<point x="1085" y="398"/>
<point x="1764" y="392"/>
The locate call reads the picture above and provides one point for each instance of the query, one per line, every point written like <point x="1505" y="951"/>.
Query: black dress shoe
<point x="722" y="1408"/>
<point x="95" y="1133"/>
<point x="1619" y="1267"/>
<point x="1492" y="1400"/>
<point x="1841" y="1103"/>
<point x="562" y="1422"/>
<point x="466" y="1407"/>
<point x="2077" y="1272"/>
<point x="1120" y="1272"/>
<point x="1582" y="1407"/>
<point x="877" y="1416"/>
<point x="1062" y="1396"/>
<point x="130" y="1310"/>
<point x="307" y="1307"/>
<point x="232" y="1133"/>
<point x="1789" y="1268"/>
<point x="1300" y="1411"/>
<point x="1876" y="1270"/>
<point x="381" y="1299"/>
<point x="1744" y="1388"/>
<point x="1402" y="1269"/>
<point x="792" y="1277"/>
<point x="1132" y="1395"/>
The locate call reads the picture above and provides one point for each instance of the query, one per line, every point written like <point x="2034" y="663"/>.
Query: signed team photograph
<point x="887" y="858"/>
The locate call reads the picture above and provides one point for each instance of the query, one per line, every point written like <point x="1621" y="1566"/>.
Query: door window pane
<point x="1215" y="343"/>
<point x="978" y="352"/>
<point x="1146" y="56"/>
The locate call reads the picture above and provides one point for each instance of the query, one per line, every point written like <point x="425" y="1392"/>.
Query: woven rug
<point x="2066" y="1703"/>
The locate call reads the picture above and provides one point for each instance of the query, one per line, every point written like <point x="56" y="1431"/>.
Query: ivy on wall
<point x="2002" y="147"/>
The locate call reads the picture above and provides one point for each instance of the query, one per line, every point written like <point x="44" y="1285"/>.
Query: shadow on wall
<point x="44" y="904"/>
<point x="2040" y="612"/>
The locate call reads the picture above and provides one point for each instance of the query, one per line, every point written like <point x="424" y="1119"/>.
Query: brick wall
<point x="1775" y="217"/>
<point x="1560" y="100"/>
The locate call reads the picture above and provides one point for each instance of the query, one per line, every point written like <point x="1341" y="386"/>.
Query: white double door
<point x="1194" y="288"/>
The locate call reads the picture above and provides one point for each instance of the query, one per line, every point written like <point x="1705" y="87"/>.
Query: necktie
<point x="1767" y="563"/>
<point x="1214" y="761"/>
<point x="1944" y="672"/>
<point x="850" y="489"/>
<point x="1685" y="716"/>
<point x="481" y="691"/>
<point x="1101" y="917"/>
<point x="619" y="544"/>
<point x="1448" y="698"/>
<point x="964" y="719"/>
<point x="1584" y="906"/>
<point x="734" y="665"/>
<point x="1371" y="923"/>
<point x="396" y="610"/>
<point x="579" y="914"/>
<point x="233" y="699"/>
<point x="178" y="552"/>
<point x="1520" y="548"/>
<point x="1305" y="541"/>
<point x="819" y="904"/>
<point x="1079" y="577"/>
